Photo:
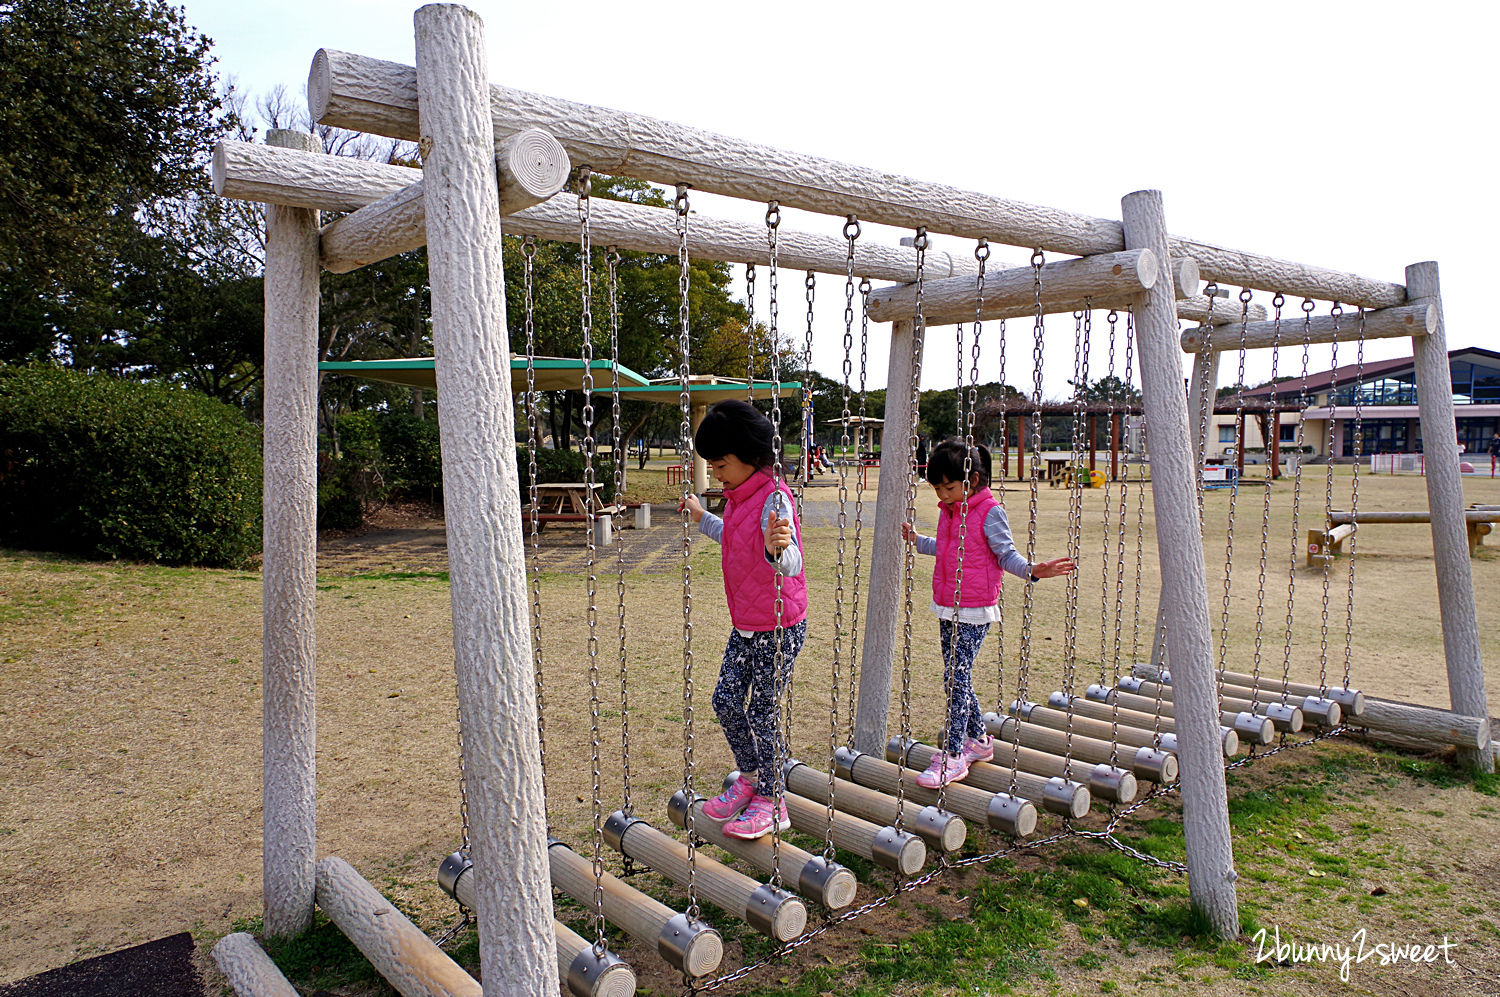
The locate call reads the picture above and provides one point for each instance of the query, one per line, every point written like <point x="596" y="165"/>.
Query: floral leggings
<point x="748" y="697"/>
<point x="961" y="643"/>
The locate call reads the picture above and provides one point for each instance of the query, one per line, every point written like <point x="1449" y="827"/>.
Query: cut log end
<point x="319" y="85"/>
<point x="1185" y="277"/>
<point x="536" y="163"/>
<point x="913" y="855"/>
<point x="705" y="952"/>
<point x="790" y="920"/>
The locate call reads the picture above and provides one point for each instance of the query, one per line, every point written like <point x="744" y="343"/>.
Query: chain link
<point x="1234" y="492"/>
<point x="750" y="333"/>
<point x="1291" y="577"/>
<point x="1273" y="422"/>
<point x="612" y="259"/>
<point x="909" y="565"/>
<point x="1205" y="397"/>
<point x="1333" y="384"/>
<point x="1039" y="330"/>
<point x="686" y="458"/>
<point x="1359" y="454"/>
<point x="591" y="613"/>
<point x="528" y="254"/>
<point x="773" y="225"/>
<point x="851" y="236"/>
<point x="859" y="503"/>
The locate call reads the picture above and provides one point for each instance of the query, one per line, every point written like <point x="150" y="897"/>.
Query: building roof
<point x="1348" y="373"/>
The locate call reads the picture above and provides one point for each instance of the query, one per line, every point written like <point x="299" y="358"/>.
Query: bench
<point x="1329" y="543"/>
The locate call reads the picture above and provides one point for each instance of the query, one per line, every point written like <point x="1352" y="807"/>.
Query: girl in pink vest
<point x="766" y="589"/>
<point x="988" y="552"/>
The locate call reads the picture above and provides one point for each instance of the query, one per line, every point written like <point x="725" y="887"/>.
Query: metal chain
<point x="909" y="564"/>
<point x="750" y="333"/>
<point x="1000" y="497"/>
<point x="1039" y="330"/>
<point x="1118" y="625"/>
<point x="591" y="613"/>
<point x="1359" y="453"/>
<point x="1111" y="318"/>
<point x="773" y="225"/>
<point x="528" y="254"/>
<point x="1234" y="492"/>
<point x="686" y="457"/>
<point x="1333" y="384"/>
<point x="1140" y="500"/>
<point x="1291" y="578"/>
<point x="1082" y="331"/>
<point x="612" y="257"/>
<point x="1204" y="414"/>
<point x="851" y="236"/>
<point x="1274" y="422"/>
<point x="859" y="502"/>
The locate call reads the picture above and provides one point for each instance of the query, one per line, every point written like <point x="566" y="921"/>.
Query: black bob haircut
<point x="738" y="428"/>
<point x="946" y="463"/>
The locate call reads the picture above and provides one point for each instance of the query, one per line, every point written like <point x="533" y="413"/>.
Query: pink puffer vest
<point x="982" y="573"/>
<point x="749" y="579"/>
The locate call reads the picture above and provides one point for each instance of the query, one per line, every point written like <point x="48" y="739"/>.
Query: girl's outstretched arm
<point x="925" y="545"/>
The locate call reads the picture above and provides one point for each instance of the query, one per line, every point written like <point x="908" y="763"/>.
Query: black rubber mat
<point x="163" y="968"/>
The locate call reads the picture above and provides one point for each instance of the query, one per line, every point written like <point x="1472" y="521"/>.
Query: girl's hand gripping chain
<point x="778" y="535"/>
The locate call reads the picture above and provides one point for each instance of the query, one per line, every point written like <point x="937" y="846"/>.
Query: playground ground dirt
<point x="130" y="737"/>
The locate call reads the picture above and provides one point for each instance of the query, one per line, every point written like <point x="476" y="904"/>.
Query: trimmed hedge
<point x="99" y="466"/>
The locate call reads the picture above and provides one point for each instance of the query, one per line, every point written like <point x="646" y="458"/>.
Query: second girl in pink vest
<point x="988" y="552"/>
<point x="760" y="541"/>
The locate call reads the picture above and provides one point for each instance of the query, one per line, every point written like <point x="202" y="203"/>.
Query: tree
<point x="1110" y="390"/>
<point x="110" y="109"/>
<point x="649" y="301"/>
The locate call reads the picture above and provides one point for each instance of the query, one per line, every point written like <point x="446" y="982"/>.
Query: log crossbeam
<point x="373" y="95"/>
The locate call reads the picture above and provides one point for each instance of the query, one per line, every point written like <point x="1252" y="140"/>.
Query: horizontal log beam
<point x="398" y="949"/>
<point x="532" y="166"/>
<point x="1200" y="308"/>
<point x="373" y="95"/>
<point x="1426" y="724"/>
<point x="1363" y="518"/>
<point x="302" y="179"/>
<point x="1386" y="323"/>
<point x="1109" y="279"/>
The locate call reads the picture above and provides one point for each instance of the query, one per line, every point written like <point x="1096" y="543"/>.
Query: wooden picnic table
<point x="568" y="498"/>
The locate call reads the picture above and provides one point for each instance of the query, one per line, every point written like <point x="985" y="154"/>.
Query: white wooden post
<point x="1201" y="391"/>
<point x="491" y="631"/>
<point x="883" y="607"/>
<point x="1445" y="501"/>
<point x="1205" y="808"/>
<point x="700" y="466"/>
<point x="290" y="548"/>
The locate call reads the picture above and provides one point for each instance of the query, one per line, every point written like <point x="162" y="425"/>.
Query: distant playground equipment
<point x="1328" y="543"/>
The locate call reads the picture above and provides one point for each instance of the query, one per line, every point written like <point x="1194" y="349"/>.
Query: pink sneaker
<point x="979" y="749"/>
<point x="731" y="801"/>
<point x="755" y="822"/>
<point x="943" y="769"/>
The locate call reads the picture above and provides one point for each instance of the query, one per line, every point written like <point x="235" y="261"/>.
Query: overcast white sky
<point x="1356" y="136"/>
